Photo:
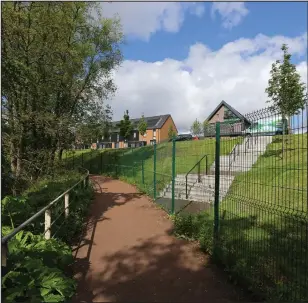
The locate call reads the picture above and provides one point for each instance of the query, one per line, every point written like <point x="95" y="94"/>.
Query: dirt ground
<point x="130" y="255"/>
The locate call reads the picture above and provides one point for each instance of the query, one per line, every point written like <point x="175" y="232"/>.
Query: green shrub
<point x="38" y="268"/>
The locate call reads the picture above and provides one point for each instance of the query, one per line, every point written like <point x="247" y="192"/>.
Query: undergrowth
<point x="38" y="269"/>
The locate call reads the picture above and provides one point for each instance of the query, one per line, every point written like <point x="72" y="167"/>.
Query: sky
<point x="183" y="58"/>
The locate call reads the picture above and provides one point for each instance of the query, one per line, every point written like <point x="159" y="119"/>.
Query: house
<point x="232" y="122"/>
<point x="157" y="131"/>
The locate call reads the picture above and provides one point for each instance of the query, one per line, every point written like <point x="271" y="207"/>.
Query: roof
<point x="235" y="112"/>
<point x="152" y="122"/>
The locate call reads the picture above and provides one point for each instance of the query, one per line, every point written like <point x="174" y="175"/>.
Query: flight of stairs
<point x="243" y="156"/>
<point x="241" y="159"/>
<point x="202" y="191"/>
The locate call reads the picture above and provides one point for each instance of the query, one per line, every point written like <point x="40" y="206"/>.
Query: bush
<point x="38" y="268"/>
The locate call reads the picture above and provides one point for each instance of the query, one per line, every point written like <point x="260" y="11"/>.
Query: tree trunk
<point x="60" y="154"/>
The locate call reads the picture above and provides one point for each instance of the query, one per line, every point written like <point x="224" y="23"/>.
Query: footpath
<point x="128" y="254"/>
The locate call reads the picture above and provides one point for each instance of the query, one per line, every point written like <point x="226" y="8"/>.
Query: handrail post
<point x="47" y="224"/>
<point x="206" y="166"/>
<point x="4" y="253"/>
<point x="66" y="204"/>
<point x="199" y="173"/>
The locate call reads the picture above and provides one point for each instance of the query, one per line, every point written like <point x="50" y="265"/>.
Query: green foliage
<point x="126" y="127"/>
<point x="285" y="90"/>
<point x="36" y="270"/>
<point x="171" y="132"/>
<point x="142" y="126"/>
<point x="56" y="64"/>
<point x="196" y="128"/>
<point x="206" y="126"/>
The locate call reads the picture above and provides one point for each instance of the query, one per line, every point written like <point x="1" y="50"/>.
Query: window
<point x="135" y="135"/>
<point x="145" y="134"/>
<point x="154" y="133"/>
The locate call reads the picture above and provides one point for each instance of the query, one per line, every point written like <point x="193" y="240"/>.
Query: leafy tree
<point x="126" y="127"/>
<point x="57" y="62"/>
<point x="196" y="128"/>
<point x="171" y="132"/>
<point x="285" y="91"/>
<point x="206" y="127"/>
<point x="142" y="126"/>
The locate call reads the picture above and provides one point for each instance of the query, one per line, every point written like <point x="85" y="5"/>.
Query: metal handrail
<point x="233" y="154"/>
<point x="199" y="177"/>
<point x="247" y="143"/>
<point x="5" y="239"/>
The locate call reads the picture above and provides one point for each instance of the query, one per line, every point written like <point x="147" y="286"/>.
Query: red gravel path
<point x="129" y="254"/>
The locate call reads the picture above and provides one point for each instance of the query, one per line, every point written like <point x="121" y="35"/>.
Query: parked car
<point x="183" y="137"/>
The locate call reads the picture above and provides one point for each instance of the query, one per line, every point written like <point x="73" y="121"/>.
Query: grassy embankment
<point x="263" y="224"/>
<point x="127" y="163"/>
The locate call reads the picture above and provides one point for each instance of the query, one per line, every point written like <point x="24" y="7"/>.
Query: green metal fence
<point x="245" y="197"/>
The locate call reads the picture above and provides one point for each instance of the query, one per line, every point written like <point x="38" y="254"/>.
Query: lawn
<point x="263" y="224"/>
<point x="128" y="163"/>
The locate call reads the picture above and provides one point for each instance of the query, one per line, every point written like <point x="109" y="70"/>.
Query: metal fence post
<point x="173" y="175"/>
<point x="73" y="161"/>
<point x="101" y="163"/>
<point x="154" y="169"/>
<point x="82" y="160"/>
<point x="217" y="180"/>
<point x="142" y="171"/>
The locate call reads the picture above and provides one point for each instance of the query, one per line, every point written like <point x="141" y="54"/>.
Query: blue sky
<point x="184" y="58"/>
<point x="271" y="18"/>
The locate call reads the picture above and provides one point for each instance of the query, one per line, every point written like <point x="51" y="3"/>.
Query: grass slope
<point x="128" y="163"/>
<point x="263" y="224"/>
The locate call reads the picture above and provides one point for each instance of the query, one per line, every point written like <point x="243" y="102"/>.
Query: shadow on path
<point x="129" y="255"/>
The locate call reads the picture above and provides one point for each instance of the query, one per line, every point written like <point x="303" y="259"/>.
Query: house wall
<point x="148" y="137"/>
<point x="163" y="132"/>
<point x="219" y="116"/>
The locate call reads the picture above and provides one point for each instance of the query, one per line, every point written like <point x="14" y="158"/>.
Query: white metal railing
<point x="47" y="211"/>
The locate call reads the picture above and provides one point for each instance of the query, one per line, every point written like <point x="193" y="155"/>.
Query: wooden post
<point x="4" y="251"/>
<point x="47" y="224"/>
<point x="66" y="204"/>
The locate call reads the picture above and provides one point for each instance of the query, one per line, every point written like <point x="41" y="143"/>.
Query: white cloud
<point x="237" y="73"/>
<point x="141" y="20"/>
<point x="231" y="13"/>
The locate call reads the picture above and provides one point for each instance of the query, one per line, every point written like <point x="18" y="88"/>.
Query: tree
<point x="57" y="63"/>
<point x="126" y="127"/>
<point x="285" y="91"/>
<point x="142" y="126"/>
<point x="206" y="127"/>
<point x="171" y="132"/>
<point x="196" y="128"/>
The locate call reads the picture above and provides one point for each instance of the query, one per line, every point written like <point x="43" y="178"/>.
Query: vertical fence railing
<point x="173" y="176"/>
<point x="154" y="171"/>
<point x="217" y="187"/>
<point x="259" y="203"/>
